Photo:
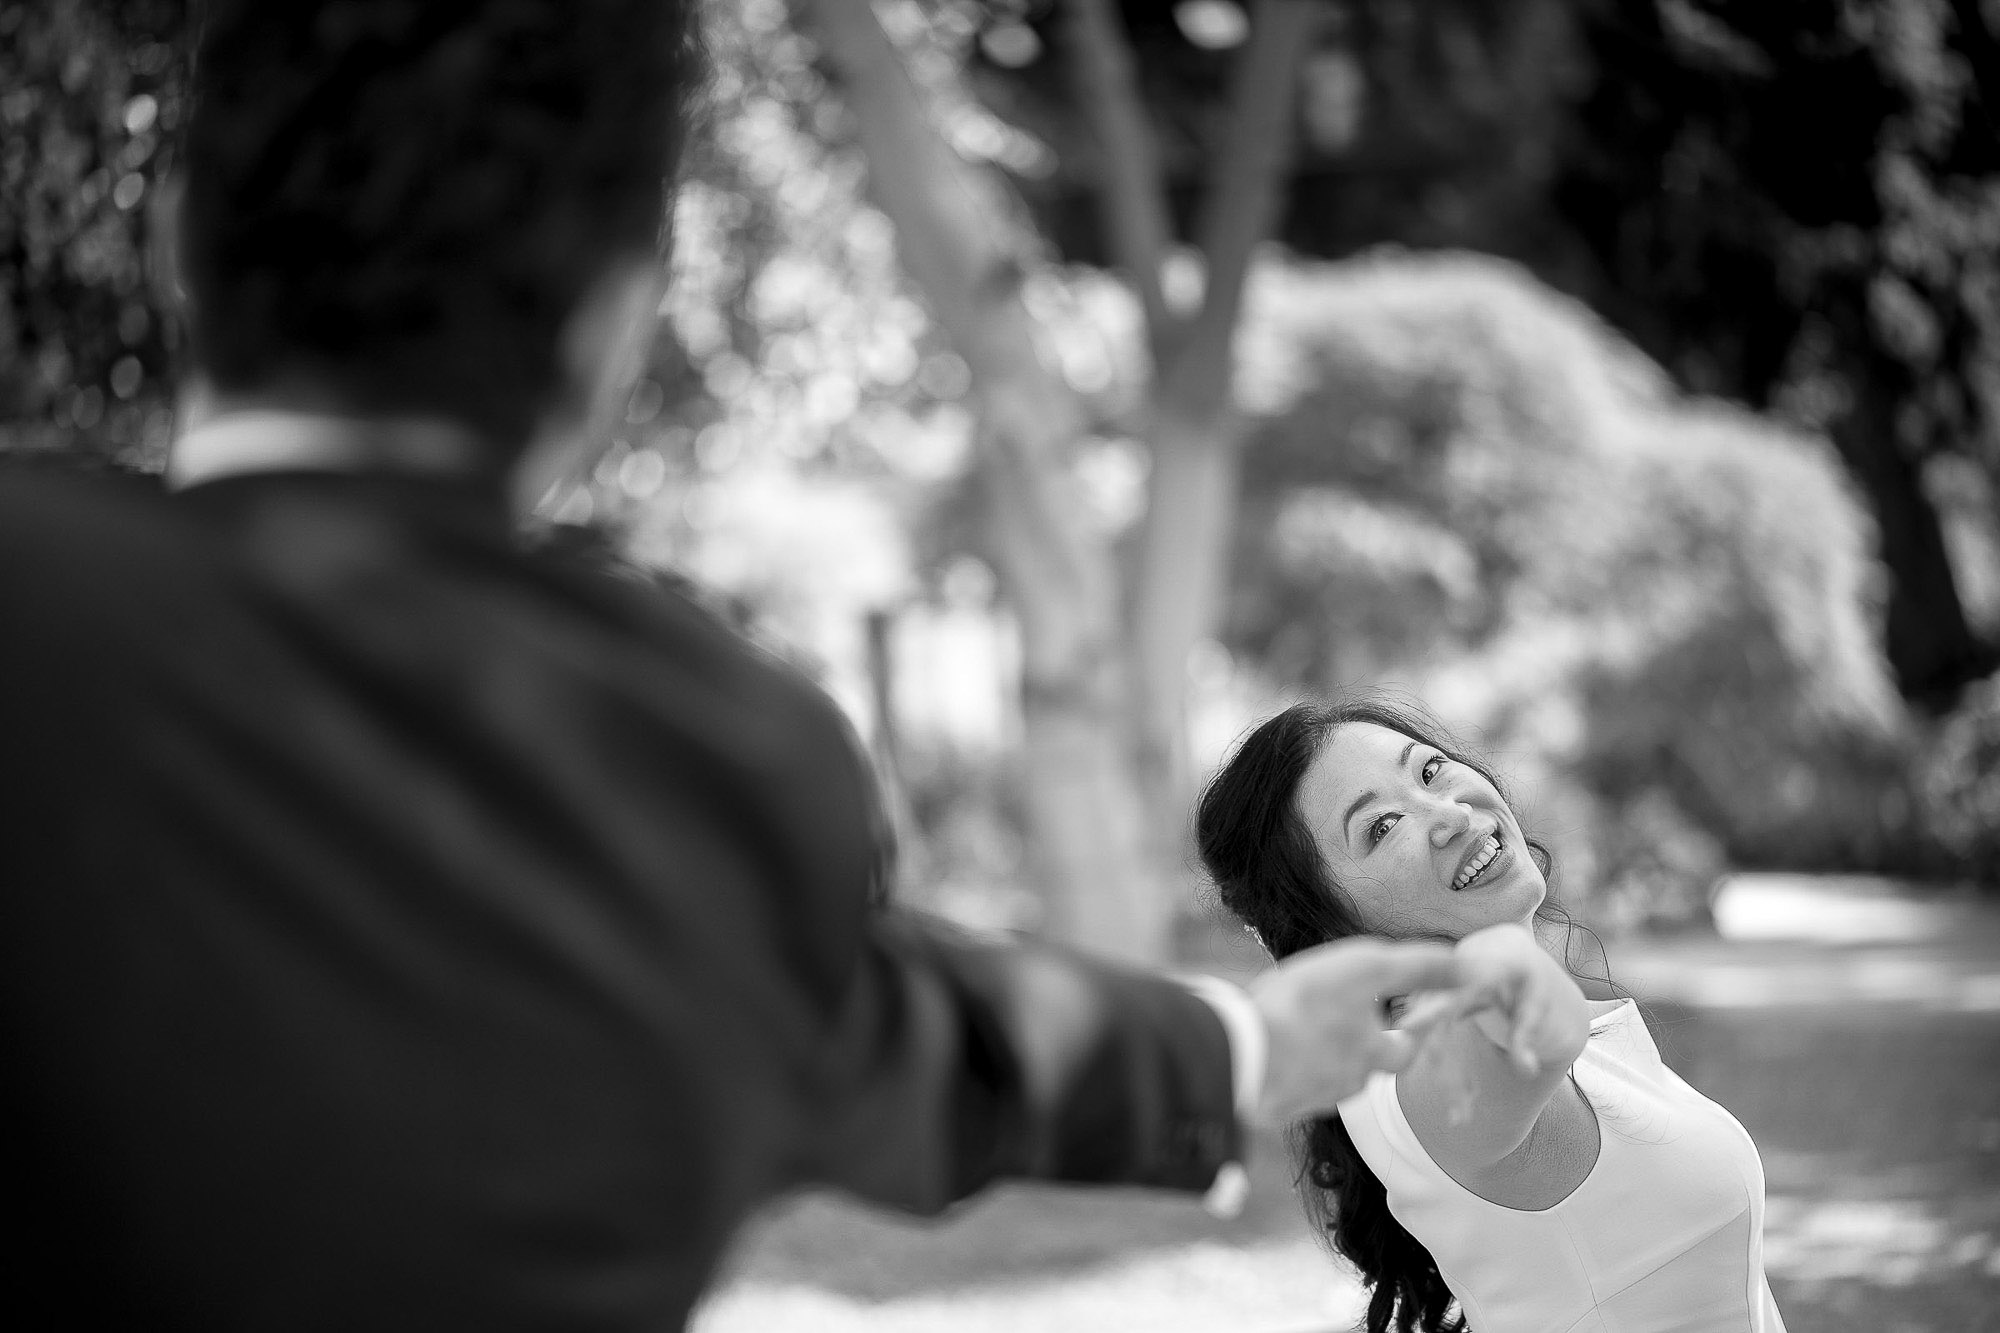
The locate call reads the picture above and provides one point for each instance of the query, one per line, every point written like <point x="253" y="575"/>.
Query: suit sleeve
<point x="938" y="1061"/>
<point x="962" y="1060"/>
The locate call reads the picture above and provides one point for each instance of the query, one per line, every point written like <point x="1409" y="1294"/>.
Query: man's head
<point x="396" y="206"/>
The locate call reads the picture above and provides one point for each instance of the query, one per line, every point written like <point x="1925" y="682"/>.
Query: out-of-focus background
<point x="1069" y="383"/>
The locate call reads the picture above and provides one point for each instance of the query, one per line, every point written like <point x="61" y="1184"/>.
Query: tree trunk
<point x="1193" y="428"/>
<point x="1086" y="812"/>
<point x="1931" y="646"/>
<point x="1056" y="574"/>
<point x="1104" y="716"/>
<point x="1177" y="596"/>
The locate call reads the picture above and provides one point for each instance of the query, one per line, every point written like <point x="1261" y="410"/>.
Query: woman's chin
<point x="1516" y="899"/>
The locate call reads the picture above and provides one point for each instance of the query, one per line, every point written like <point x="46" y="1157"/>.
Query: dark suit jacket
<point x="404" y="930"/>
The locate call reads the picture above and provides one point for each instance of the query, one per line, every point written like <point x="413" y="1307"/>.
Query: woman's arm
<point x="1485" y="1078"/>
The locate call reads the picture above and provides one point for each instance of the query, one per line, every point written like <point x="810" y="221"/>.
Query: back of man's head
<point x="398" y="203"/>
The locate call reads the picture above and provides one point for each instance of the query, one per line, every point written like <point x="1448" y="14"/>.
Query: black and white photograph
<point x="1000" y="666"/>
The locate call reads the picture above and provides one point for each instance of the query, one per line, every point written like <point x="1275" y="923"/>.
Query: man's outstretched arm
<point x="959" y="1060"/>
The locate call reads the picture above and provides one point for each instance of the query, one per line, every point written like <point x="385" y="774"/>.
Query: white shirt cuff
<point x="1249" y="1052"/>
<point x="1249" y="1044"/>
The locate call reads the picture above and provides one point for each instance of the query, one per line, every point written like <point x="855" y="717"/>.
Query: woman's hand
<point x="1518" y="996"/>
<point x="1525" y="1023"/>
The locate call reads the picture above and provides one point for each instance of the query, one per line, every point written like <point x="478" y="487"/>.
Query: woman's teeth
<point x="1477" y="866"/>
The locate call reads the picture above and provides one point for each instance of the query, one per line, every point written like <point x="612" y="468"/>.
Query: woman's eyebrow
<point x="1347" y="820"/>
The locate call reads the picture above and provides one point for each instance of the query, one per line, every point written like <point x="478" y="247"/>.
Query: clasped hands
<point x="1324" y="1010"/>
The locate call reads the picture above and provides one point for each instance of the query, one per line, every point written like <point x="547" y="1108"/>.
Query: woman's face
<point x="1421" y="845"/>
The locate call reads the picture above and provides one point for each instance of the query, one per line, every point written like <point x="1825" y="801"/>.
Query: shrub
<point x="1661" y="612"/>
<point x="1957" y="783"/>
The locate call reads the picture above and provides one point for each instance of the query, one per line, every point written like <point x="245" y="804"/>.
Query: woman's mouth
<point x="1485" y="856"/>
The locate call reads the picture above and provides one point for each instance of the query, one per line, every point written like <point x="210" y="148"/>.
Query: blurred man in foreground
<point x="405" y="930"/>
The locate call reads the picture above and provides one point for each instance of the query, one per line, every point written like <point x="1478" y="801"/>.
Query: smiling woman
<point x="1540" y="1168"/>
<point x="1422" y="843"/>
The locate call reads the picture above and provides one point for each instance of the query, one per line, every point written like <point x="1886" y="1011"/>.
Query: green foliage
<point x="1958" y="783"/>
<point x="1791" y="204"/>
<point x="804" y="435"/>
<point x="1794" y="205"/>
<point x="90" y="94"/>
<point x="1433" y="123"/>
<point x="1839" y="162"/>
<point x="966" y="852"/>
<point x="1661" y="613"/>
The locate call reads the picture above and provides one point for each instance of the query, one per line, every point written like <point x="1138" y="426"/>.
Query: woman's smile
<point x="1486" y="855"/>
<point x="1419" y="844"/>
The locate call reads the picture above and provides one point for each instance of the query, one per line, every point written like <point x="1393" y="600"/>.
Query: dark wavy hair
<point x="1271" y="876"/>
<point x="402" y="201"/>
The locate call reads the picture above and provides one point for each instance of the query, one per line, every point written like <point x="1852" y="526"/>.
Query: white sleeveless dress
<point x="1666" y="1234"/>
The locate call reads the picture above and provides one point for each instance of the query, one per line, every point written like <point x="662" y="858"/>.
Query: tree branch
<point x="944" y="212"/>
<point x="1184" y="540"/>
<point x="1245" y="187"/>
<point x="952" y="242"/>
<point x="1131" y="196"/>
<point x="1058" y="571"/>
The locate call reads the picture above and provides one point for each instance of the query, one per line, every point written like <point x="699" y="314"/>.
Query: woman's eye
<point x="1380" y="828"/>
<point x="1431" y="767"/>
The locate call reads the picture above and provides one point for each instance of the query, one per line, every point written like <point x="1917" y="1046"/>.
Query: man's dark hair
<point x="401" y="201"/>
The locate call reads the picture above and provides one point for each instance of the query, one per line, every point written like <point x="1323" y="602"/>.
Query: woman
<point x="1540" y="1167"/>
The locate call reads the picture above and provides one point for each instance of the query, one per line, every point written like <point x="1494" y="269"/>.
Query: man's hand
<point x="1323" y="1010"/>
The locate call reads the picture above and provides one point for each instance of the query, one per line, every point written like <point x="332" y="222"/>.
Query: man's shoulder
<point x="701" y="628"/>
<point x="83" y="529"/>
<point x="35" y="487"/>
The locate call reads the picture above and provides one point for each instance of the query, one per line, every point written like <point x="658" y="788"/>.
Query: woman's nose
<point x="1454" y="819"/>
